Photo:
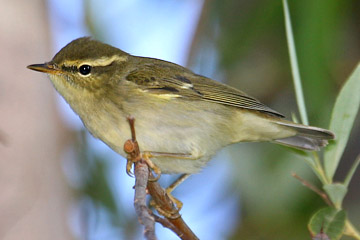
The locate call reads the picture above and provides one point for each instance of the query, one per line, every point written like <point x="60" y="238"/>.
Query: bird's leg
<point x="174" y="185"/>
<point x="177" y="182"/>
<point x="146" y="155"/>
<point x="131" y="147"/>
<point x="177" y="202"/>
<point x="187" y="156"/>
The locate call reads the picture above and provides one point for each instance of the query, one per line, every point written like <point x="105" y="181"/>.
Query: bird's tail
<point x="306" y="138"/>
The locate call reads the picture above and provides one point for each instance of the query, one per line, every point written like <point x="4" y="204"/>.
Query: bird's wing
<point x="175" y="81"/>
<point x="217" y="92"/>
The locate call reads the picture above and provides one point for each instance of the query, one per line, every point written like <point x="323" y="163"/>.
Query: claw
<point x="177" y="202"/>
<point x="173" y="214"/>
<point x="155" y="179"/>
<point x="129" y="164"/>
<point x="131" y="147"/>
<point x="146" y="156"/>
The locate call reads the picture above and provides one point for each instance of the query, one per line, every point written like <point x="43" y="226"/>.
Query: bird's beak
<point x="48" y="67"/>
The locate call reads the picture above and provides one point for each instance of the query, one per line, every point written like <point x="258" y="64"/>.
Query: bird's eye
<point x="85" y="69"/>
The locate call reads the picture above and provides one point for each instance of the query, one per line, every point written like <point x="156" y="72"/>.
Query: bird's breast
<point x="161" y="127"/>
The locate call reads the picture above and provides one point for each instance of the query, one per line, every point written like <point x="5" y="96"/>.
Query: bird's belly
<point x="181" y="132"/>
<point x="157" y="136"/>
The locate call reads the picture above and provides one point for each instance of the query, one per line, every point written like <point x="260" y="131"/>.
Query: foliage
<point x="344" y="113"/>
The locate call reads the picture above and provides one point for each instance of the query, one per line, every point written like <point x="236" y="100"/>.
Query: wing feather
<point x="168" y="78"/>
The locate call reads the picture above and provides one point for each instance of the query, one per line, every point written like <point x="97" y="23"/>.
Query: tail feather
<point x="306" y="138"/>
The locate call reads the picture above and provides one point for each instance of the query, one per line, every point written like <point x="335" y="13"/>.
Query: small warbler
<point x="177" y="111"/>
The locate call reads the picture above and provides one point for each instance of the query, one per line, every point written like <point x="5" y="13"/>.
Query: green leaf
<point x="294" y="65"/>
<point x="342" y="119"/>
<point x="336" y="193"/>
<point x="330" y="220"/>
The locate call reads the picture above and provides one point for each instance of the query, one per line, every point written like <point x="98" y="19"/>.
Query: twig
<point x="142" y="174"/>
<point x="161" y="199"/>
<point x="141" y="177"/>
<point x="167" y="224"/>
<point x="313" y="188"/>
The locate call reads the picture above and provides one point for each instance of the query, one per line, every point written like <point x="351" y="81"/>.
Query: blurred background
<point x="58" y="182"/>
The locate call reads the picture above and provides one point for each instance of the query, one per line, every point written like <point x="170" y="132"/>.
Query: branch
<point x="161" y="199"/>
<point x="166" y="224"/>
<point x="323" y="195"/>
<point x="145" y="218"/>
<point x="174" y="221"/>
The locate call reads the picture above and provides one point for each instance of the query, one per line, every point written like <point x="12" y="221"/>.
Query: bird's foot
<point x="173" y="214"/>
<point x="131" y="147"/>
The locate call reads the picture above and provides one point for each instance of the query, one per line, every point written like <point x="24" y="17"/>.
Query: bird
<point x="177" y="111"/>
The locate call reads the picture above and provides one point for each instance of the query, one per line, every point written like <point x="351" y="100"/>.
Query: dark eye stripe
<point x="69" y="68"/>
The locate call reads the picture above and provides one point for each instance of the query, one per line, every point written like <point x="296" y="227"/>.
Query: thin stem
<point x="351" y="231"/>
<point x="313" y="188"/>
<point x="320" y="170"/>
<point x="352" y="171"/>
<point x="167" y="224"/>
